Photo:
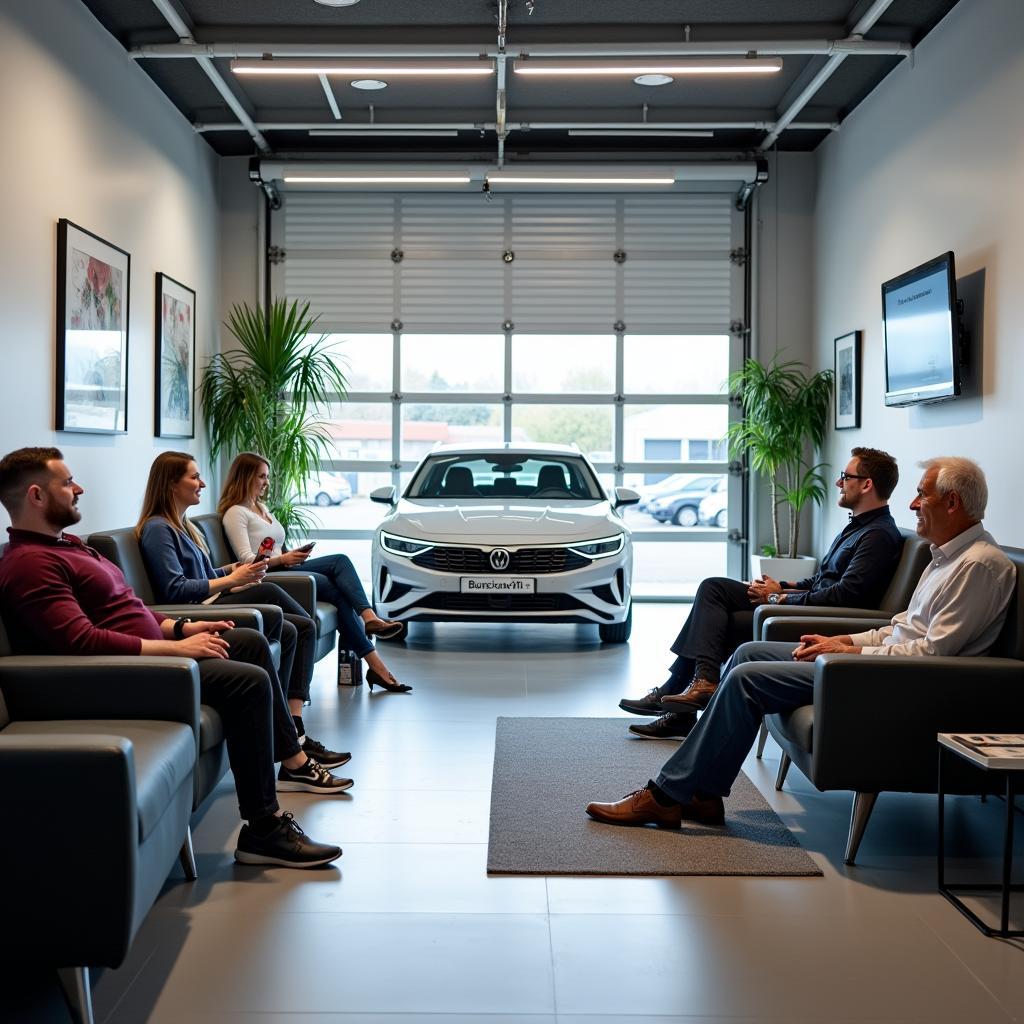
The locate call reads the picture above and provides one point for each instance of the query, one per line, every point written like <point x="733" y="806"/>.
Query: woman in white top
<point x="247" y="521"/>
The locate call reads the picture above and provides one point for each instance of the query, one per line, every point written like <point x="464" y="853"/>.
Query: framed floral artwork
<point x="175" y="333"/>
<point x="92" y="332"/>
<point x="847" y="380"/>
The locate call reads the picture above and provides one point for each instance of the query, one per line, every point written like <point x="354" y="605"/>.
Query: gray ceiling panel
<point x="721" y="101"/>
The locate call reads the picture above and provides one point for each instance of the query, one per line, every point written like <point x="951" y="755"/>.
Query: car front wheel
<point x="617" y="632"/>
<point x="322" y="500"/>
<point x="685" y="516"/>
<point x="722" y="518"/>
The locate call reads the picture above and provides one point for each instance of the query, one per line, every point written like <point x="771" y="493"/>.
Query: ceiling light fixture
<point x="388" y="133"/>
<point x="669" y="66"/>
<point x="362" y="68"/>
<point x="652" y="80"/>
<point x="557" y="179"/>
<point x="379" y="179"/>
<point x="642" y="132"/>
<point x="337" y="3"/>
<point x="369" y="84"/>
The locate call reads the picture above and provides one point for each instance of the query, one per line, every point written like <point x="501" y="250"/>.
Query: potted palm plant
<point x="266" y="395"/>
<point x="785" y="416"/>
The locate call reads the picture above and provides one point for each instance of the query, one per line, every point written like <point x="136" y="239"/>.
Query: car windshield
<point x="504" y="475"/>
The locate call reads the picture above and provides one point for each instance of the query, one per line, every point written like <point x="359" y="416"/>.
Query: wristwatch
<point x="179" y="628"/>
<point x="774" y="598"/>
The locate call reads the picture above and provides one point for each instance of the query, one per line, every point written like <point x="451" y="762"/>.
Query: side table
<point x="972" y="748"/>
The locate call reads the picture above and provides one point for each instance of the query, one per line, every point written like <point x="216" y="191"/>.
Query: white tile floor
<point x="408" y="927"/>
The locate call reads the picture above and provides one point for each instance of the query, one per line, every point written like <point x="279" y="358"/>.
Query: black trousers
<point x="721" y="619"/>
<point x="246" y="692"/>
<point x="297" y="626"/>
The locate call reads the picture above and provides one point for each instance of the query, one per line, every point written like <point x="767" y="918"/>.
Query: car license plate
<point x="497" y="585"/>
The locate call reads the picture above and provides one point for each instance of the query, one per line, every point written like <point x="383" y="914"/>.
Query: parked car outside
<point x="680" y="505"/>
<point x="714" y="509"/>
<point x="325" y="489"/>
<point x="508" y="533"/>
<point x="671" y="483"/>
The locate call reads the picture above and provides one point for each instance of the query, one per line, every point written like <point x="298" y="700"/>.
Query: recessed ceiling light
<point x="369" y="83"/>
<point x="653" y="79"/>
<point x="337" y="3"/>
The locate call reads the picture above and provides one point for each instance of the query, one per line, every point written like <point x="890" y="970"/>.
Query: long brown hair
<point x="238" y="486"/>
<point x="167" y="469"/>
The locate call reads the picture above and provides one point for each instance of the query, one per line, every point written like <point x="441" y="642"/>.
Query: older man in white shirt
<point x="958" y="607"/>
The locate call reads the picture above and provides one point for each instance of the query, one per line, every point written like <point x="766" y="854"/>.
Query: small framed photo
<point x="847" y="382"/>
<point x="175" y="333"/>
<point x="92" y="332"/>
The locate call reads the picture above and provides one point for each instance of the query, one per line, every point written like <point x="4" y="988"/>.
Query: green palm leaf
<point x="266" y="396"/>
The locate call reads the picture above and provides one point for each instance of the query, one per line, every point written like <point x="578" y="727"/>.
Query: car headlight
<point x="601" y="548"/>
<point x="402" y="545"/>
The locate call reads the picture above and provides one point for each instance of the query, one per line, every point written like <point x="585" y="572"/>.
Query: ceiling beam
<point x="174" y="18"/>
<point x="864" y="24"/>
<point x="850" y="46"/>
<point x="514" y="126"/>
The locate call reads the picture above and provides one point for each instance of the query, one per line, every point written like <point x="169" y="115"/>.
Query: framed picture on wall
<point x="847" y="383"/>
<point x="175" y="333"/>
<point x="92" y="332"/>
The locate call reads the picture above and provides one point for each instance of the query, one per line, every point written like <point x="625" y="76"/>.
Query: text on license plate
<point x="497" y="585"/>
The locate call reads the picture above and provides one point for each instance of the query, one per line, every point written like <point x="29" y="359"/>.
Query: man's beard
<point x="60" y="517"/>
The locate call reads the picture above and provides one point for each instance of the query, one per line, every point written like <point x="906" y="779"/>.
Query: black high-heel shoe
<point x="392" y="685"/>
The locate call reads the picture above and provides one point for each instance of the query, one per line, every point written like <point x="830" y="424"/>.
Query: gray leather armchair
<point x="873" y="723"/>
<point x="121" y="547"/>
<point x="914" y="558"/>
<point x="301" y="586"/>
<point x="103" y="750"/>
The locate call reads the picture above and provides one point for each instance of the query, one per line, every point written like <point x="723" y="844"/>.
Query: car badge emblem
<point x="500" y="559"/>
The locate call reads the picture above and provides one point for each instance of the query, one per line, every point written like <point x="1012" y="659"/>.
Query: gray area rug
<point x="546" y="771"/>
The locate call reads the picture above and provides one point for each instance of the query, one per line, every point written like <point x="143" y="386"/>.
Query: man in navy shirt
<point x="59" y="596"/>
<point x="854" y="574"/>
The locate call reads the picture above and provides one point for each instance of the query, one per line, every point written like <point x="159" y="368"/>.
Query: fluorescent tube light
<point x="379" y="179"/>
<point x="387" y="133"/>
<point x="557" y="179"/>
<point x="641" y="132"/>
<point x="664" y="66"/>
<point x="362" y="68"/>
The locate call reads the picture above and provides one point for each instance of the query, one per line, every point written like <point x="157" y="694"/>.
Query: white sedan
<point x="505" y="534"/>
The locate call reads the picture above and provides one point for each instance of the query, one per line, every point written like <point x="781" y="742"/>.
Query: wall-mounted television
<point x="920" y="317"/>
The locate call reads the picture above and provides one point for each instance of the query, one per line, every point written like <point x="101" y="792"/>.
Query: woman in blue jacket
<point x="181" y="572"/>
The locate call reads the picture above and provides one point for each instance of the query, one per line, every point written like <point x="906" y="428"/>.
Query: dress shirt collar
<point x="22" y="538"/>
<point x="866" y="517"/>
<point x="953" y="547"/>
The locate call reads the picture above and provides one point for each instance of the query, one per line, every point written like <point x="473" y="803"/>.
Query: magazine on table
<point x="991" y="749"/>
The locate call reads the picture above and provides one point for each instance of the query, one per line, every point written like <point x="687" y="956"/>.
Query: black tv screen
<point x="922" y="339"/>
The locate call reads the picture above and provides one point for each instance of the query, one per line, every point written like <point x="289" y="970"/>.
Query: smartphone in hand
<point x="266" y="547"/>
<point x="306" y="548"/>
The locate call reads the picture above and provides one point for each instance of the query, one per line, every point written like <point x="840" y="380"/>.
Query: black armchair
<point x="915" y="556"/>
<point x="873" y="723"/>
<point x="103" y="749"/>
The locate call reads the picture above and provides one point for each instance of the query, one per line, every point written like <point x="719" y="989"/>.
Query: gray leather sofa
<point x="301" y="586"/>
<point x="873" y="723"/>
<point x="97" y="761"/>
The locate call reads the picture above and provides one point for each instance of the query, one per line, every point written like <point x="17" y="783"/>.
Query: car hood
<point x="492" y="522"/>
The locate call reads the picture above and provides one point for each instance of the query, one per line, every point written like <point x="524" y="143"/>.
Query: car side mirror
<point x="385" y="495"/>
<point x="624" y="496"/>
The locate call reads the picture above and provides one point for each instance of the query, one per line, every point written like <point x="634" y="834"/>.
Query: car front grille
<point x="450" y="602"/>
<point x="524" y="562"/>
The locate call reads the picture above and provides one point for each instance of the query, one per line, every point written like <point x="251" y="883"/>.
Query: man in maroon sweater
<point x="59" y="596"/>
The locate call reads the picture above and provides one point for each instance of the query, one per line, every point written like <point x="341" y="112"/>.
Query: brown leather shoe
<point x="640" y="808"/>
<point x="695" y="697"/>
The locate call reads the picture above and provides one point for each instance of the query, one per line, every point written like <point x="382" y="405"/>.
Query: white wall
<point x="89" y="137"/>
<point x="934" y="160"/>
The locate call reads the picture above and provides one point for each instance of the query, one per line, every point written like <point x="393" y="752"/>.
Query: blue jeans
<point x="760" y="679"/>
<point x="337" y="583"/>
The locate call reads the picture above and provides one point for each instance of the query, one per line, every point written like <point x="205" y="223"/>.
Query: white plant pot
<point x="789" y="569"/>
